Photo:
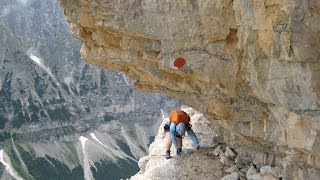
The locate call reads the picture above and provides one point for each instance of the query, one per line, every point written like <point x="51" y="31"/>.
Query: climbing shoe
<point x="167" y="154"/>
<point x="198" y="147"/>
<point x="179" y="151"/>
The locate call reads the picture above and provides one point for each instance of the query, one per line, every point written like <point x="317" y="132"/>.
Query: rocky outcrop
<point x="190" y="164"/>
<point x="214" y="160"/>
<point x="251" y="66"/>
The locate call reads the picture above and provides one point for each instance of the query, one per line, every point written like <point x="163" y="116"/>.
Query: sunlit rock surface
<point x="214" y="160"/>
<point x="193" y="164"/>
<point x="252" y="66"/>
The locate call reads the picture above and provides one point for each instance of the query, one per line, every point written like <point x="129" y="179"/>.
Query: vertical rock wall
<point x="251" y="66"/>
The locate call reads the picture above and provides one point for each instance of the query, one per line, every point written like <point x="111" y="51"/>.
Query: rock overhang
<point x="251" y="65"/>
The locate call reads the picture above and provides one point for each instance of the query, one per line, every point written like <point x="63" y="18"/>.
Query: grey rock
<point x="244" y="170"/>
<point x="229" y="152"/>
<point x="242" y="174"/>
<point x="251" y="171"/>
<point x="233" y="168"/>
<point x="255" y="177"/>
<point x="232" y="176"/>
<point x="218" y="151"/>
<point x="142" y="163"/>
<point x="224" y="160"/>
<point x="267" y="170"/>
<point x="238" y="160"/>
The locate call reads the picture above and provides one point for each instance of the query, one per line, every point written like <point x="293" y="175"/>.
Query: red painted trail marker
<point x="179" y="62"/>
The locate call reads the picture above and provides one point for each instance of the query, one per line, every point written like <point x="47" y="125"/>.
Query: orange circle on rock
<point x="179" y="62"/>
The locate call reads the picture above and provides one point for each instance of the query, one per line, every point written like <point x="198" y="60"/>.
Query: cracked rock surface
<point x="251" y="66"/>
<point x="214" y="160"/>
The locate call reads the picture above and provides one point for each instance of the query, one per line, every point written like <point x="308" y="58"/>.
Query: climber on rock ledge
<point x="175" y="129"/>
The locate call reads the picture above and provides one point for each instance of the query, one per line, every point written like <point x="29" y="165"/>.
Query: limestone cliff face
<point x="251" y="66"/>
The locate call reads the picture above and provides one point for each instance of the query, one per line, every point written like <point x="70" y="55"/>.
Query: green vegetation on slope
<point x="121" y="170"/>
<point x="71" y="153"/>
<point x="41" y="168"/>
<point x="15" y="161"/>
<point x="59" y="113"/>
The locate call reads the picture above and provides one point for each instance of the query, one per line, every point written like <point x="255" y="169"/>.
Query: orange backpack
<point x="177" y="116"/>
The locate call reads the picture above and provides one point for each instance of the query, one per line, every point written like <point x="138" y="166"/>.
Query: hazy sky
<point x="5" y="10"/>
<point x="23" y="1"/>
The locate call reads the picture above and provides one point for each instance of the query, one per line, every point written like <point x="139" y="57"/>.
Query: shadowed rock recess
<point x="252" y="67"/>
